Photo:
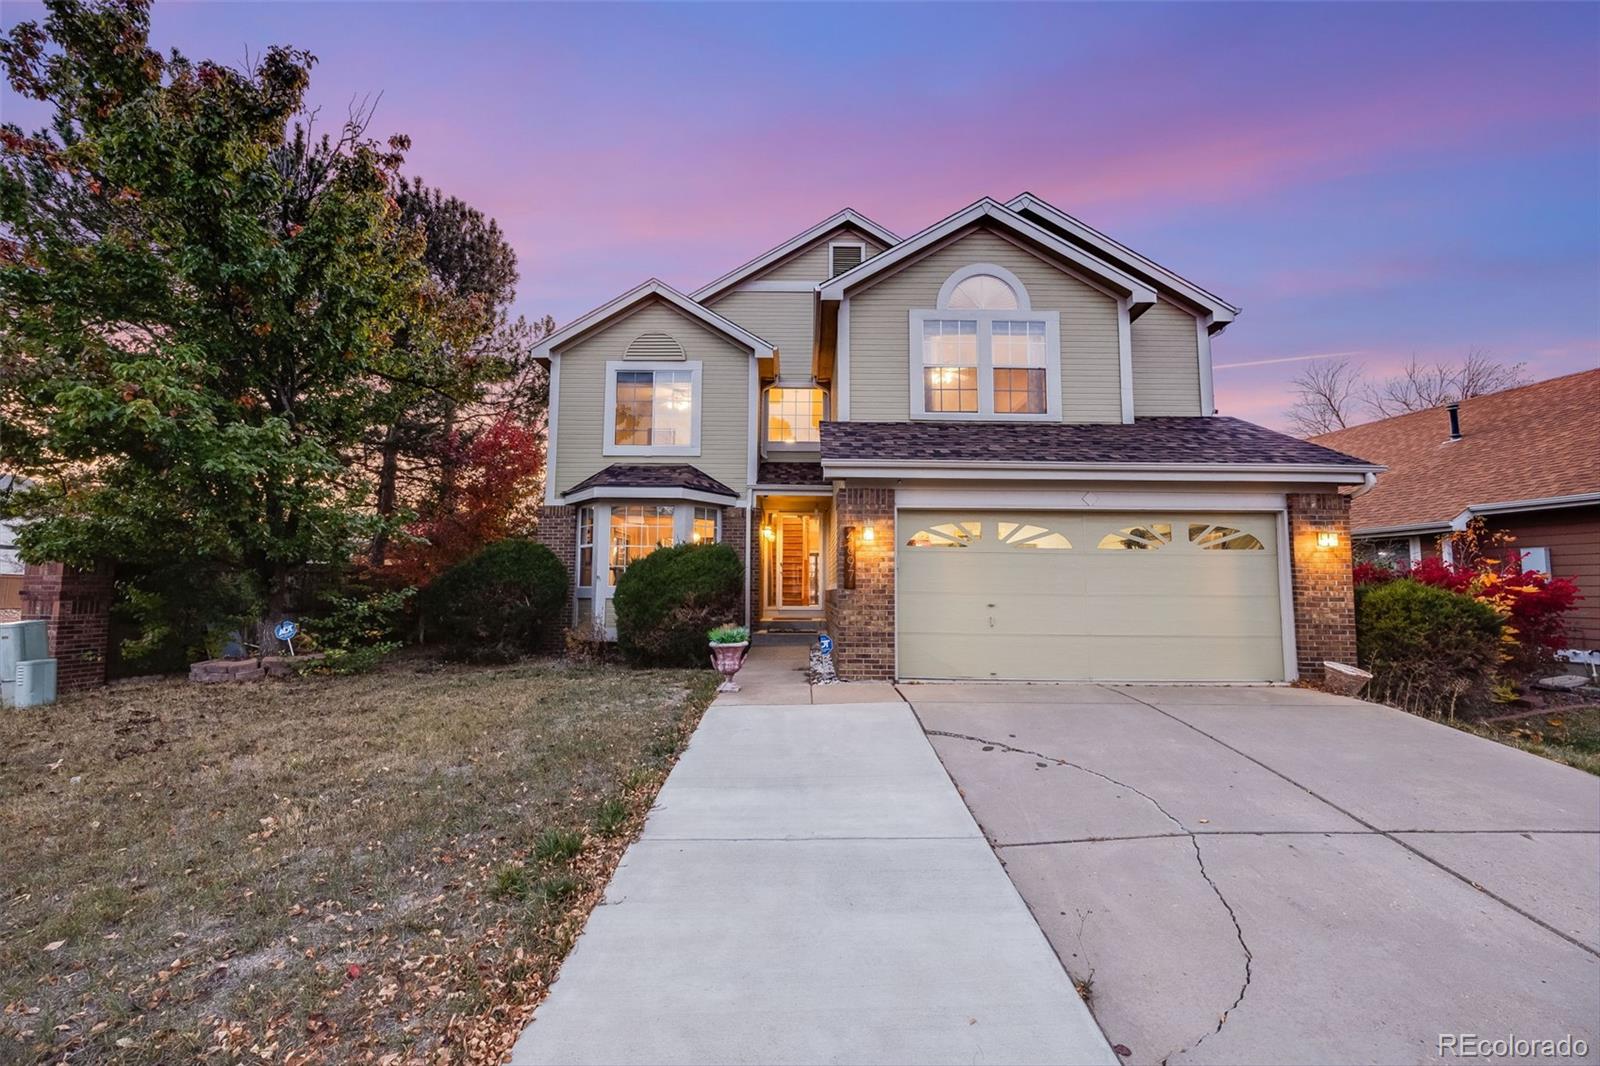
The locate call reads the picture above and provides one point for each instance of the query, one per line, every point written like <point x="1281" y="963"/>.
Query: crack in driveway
<point x="1184" y="831"/>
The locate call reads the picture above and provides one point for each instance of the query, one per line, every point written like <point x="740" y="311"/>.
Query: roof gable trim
<point x="847" y="217"/>
<point x="1138" y="292"/>
<point x="605" y="313"/>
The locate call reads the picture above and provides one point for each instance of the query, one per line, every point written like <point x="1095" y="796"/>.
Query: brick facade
<point x="558" y="531"/>
<point x="77" y="606"/>
<point x="733" y="536"/>
<point x="757" y="604"/>
<point x="861" y="619"/>
<point x="1324" y="594"/>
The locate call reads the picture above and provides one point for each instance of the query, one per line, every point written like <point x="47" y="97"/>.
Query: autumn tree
<point x="198" y="332"/>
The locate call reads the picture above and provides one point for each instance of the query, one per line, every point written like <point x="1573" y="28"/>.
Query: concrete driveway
<point x="1274" y="875"/>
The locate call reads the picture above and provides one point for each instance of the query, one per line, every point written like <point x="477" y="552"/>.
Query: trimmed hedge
<point x="667" y="601"/>
<point x="1429" y="649"/>
<point x="498" y="604"/>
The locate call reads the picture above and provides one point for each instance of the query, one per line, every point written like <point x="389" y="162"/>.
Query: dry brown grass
<point x="329" y="870"/>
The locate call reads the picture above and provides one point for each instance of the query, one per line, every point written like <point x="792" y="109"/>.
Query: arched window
<point x="983" y="352"/>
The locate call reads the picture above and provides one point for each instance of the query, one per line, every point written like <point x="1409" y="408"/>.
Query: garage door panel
<point x="1176" y="610"/>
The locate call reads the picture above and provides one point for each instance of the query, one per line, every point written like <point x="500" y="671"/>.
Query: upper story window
<point x="794" y="417"/>
<point x="983" y="352"/>
<point x="652" y="408"/>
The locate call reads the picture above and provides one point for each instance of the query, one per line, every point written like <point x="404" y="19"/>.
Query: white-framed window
<point x="585" y="551"/>
<point x="984" y="353"/>
<point x="704" y="525"/>
<point x="652" y="408"/>
<point x="794" y="417"/>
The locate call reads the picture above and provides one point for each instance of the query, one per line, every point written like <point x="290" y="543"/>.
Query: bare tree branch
<point x="1326" y="395"/>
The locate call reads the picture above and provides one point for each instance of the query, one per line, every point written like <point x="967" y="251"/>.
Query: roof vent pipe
<point x="1455" y="421"/>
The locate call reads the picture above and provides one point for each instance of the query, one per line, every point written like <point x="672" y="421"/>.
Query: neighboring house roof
<point x="1139" y="293"/>
<point x="1527" y="447"/>
<point x="1053" y="218"/>
<point x="790" y="474"/>
<point x="653" y="476"/>
<point x="847" y="217"/>
<point x="652" y="289"/>
<point x="1166" y="442"/>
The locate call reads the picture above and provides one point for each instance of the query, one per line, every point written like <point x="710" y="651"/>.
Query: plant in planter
<point x="728" y="645"/>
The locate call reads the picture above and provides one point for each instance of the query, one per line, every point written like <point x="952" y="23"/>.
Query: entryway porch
<point x="794" y="560"/>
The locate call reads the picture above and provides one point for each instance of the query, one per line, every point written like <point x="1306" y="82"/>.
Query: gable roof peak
<point x="651" y="288"/>
<point x="847" y="216"/>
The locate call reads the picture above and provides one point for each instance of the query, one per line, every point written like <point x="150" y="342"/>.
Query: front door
<point x="794" y="562"/>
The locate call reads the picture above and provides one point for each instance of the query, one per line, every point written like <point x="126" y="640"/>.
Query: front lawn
<point x="382" y="868"/>
<point x="1568" y="735"/>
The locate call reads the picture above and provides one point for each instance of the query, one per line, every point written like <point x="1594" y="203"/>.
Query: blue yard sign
<point x="286" y="631"/>
<point x="825" y="642"/>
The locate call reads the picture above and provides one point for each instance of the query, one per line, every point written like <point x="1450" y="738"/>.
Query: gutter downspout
<point x="1368" y="483"/>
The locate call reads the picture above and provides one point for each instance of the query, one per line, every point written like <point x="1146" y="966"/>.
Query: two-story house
<point x="987" y="450"/>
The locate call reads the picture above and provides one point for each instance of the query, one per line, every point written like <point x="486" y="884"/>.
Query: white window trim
<point x="948" y="289"/>
<point x="986" y="320"/>
<point x="770" y="445"/>
<point x="608" y="445"/>
<point x="845" y="244"/>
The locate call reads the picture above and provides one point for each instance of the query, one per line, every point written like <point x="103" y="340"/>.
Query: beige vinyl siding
<point x="811" y="262"/>
<point x="724" y="398"/>
<point x="783" y="319"/>
<point x="1166" y="362"/>
<point x="880" y="325"/>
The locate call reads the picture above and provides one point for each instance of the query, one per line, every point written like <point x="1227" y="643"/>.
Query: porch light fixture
<point x="867" y="536"/>
<point x="767" y="533"/>
<point x="1328" y="539"/>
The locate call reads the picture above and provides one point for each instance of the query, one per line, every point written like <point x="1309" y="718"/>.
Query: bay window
<point x="652" y="408"/>
<point x="984" y="353"/>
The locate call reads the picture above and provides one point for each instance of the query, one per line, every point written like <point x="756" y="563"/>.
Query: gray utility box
<point x="36" y="683"/>
<point x="20" y="642"/>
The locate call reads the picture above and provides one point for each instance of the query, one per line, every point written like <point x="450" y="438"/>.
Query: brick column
<point x="76" y="604"/>
<point x="733" y="537"/>
<point x="1324" y="593"/>
<point x="558" y="531"/>
<point x="757" y="516"/>
<point x="861" y="619"/>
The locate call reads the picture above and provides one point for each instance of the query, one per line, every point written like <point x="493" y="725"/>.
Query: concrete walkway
<point x="810" y="889"/>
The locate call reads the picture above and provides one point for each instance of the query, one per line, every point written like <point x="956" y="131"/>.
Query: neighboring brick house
<point x="1526" y="461"/>
<point x="988" y="450"/>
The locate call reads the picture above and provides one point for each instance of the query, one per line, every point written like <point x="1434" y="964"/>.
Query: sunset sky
<point x="1376" y="181"/>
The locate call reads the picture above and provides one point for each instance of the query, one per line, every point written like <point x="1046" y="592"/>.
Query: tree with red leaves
<point x="492" y="497"/>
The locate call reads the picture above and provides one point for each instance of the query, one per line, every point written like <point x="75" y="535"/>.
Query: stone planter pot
<point x="726" y="660"/>
<point x="1344" y="680"/>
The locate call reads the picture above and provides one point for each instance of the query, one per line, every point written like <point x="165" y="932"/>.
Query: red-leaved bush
<point x="492" y="498"/>
<point x="1533" y="604"/>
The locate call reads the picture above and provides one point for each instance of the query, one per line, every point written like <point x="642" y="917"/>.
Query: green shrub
<point x="1429" y="649"/>
<point x="667" y="601"/>
<point x="499" y="603"/>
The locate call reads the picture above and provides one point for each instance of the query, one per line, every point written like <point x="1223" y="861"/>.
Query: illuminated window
<point x="794" y="416"/>
<point x="1027" y="535"/>
<point x="653" y="409"/>
<point x="704" y="527"/>
<point x="585" y="548"/>
<point x="946" y="535"/>
<point x="637" y="530"/>
<point x="984" y="352"/>
<point x="950" y="365"/>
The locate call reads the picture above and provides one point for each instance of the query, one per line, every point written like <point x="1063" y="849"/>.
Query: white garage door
<point x="1045" y="596"/>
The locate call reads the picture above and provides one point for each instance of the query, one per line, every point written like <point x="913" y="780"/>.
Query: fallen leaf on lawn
<point x="54" y="945"/>
<point x="352" y="971"/>
<point x="56" y="765"/>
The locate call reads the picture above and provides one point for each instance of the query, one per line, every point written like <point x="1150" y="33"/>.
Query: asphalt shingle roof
<point x="790" y="474"/>
<point x="653" y="476"/>
<point x="1528" y="443"/>
<point x="1145" y="440"/>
